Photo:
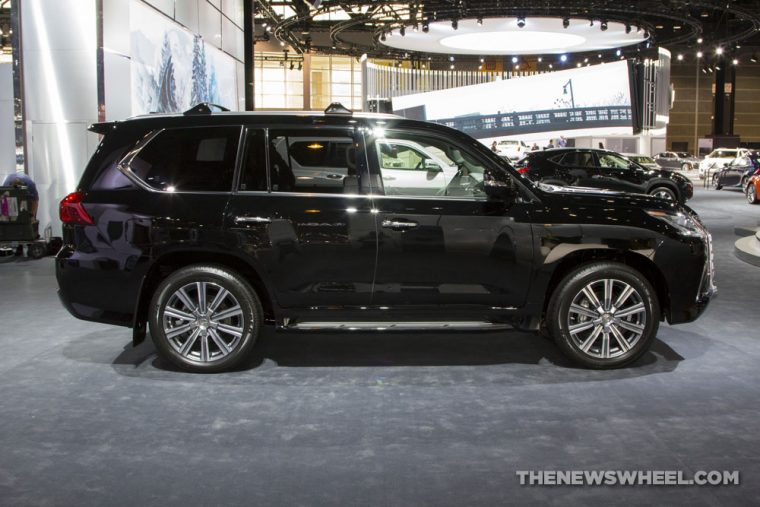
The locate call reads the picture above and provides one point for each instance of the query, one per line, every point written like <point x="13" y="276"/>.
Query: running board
<point x="396" y="326"/>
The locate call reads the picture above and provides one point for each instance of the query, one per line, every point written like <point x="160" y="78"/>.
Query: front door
<point x="450" y="246"/>
<point x="298" y="216"/>
<point x="618" y="173"/>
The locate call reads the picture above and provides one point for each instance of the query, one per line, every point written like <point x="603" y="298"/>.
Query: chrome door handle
<point x="398" y="224"/>
<point x="253" y="220"/>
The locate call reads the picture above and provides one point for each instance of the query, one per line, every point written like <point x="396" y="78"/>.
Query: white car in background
<point x="719" y="158"/>
<point x="512" y="149"/>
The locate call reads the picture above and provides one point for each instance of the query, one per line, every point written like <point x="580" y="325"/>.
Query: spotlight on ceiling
<point x="604" y="25"/>
<point x="565" y="22"/>
<point x="482" y="60"/>
<point x="520" y="21"/>
<point x="699" y="54"/>
<point x="699" y="40"/>
<point x="735" y="61"/>
<point x="540" y="59"/>
<point x="753" y="58"/>
<point x="627" y="28"/>
<point x="563" y="58"/>
<point x="618" y="52"/>
<point x="719" y="50"/>
<point x="402" y="31"/>
<point x="451" y="66"/>
<point x="425" y="26"/>
<point x="514" y="59"/>
<point x="455" y="24"/>
<point x="680" y="57"/>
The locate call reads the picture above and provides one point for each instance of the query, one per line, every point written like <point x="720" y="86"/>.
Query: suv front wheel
<point x="205" y="318"/>
<point x="604" y="315"/>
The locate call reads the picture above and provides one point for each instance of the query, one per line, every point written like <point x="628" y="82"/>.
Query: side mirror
<point x="727" y="164"/>
<point x="432" y="167"/>
<point x="499" y="190"/>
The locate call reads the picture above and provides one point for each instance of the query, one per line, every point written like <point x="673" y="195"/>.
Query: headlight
<point x="683" y="223"/>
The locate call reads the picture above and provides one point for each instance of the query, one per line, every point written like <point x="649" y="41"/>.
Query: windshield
<point x="642" y="159"/>
<point x="683" y="154"/>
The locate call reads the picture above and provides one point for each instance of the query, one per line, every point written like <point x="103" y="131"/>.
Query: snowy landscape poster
<point x="173" y="69"/>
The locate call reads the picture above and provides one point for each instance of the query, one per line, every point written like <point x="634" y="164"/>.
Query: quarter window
<point x="190" y="160"/>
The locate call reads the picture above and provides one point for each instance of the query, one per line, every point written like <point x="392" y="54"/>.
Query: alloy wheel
<point x="662" y="193"/>
<point x="203" y="322"/>
<point x="606" y="318"/>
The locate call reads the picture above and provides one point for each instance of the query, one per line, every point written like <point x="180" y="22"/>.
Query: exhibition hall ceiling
<point x="495" y="27"/>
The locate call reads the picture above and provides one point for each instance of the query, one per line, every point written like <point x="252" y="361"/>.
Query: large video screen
<point x="589" y="97"/>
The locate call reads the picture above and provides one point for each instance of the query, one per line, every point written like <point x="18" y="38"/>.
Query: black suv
<point x="603" y="169"/>
<point x="209" y="225"/>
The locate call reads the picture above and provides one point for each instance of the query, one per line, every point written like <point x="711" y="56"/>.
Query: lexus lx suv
<point x="205" y="226"/>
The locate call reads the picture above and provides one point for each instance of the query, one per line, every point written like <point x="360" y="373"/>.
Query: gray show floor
<point x="414" y="419"/>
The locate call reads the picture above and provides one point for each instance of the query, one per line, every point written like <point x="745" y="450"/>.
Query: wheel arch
<point x="667" y="184"/>
<point x="639" y="262"/>
<point x="170" y="262"/>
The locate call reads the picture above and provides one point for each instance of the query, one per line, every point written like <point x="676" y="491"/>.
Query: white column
<point x="7" y="127"/>
<point x="60" y="91"/>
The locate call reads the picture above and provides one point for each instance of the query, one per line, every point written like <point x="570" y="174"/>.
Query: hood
<point x="584" y="196"/>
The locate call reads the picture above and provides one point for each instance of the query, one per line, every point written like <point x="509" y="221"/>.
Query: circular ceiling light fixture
<point x="504" y="36"/>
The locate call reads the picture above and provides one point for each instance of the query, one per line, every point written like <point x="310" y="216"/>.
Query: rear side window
<point x="189" y="159"/>
<point x="575" y="159"/>
<point x="310" y="161"/>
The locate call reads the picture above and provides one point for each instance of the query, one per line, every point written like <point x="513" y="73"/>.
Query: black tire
<point x="217" y="356"/>
<point x="36" y="250"/>
<point x="716" y="182"/>
<point x="661" y="192"/>
<point x="743" y="183"/>
<point x="751" y="194"/>
<point x="559" y="316"/>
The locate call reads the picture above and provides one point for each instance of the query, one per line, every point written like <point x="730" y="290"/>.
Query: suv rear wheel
<point x="205" y="318"/>
<point x="604" y="315"/>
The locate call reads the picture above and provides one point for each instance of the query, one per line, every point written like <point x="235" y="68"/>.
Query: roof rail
<point x="338" y="108"/>
<point x="204" y="108"/>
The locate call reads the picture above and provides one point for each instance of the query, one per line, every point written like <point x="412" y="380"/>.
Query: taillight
<point x="523" y="170"/>
<point x="757" y="172"/>
<point x="72" y="211"/>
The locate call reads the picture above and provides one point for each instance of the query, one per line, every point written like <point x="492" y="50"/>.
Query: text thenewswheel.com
<point x="627" y="478"/>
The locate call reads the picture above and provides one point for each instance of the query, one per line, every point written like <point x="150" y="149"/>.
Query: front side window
<point x="611" y="161"/>
<point x="189" y="159"/>
<point x="419" y="164"/>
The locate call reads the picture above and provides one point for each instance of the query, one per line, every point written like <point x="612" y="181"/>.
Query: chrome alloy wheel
<point x="203" y="321"/>
<point x="606" y="318"/>
<point x="663" y="194"/>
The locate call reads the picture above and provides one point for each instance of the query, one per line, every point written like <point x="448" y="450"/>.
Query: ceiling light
<point x="451" y="66"/>
<point x="480" y="67"/>
<point x="585" y="60"/>
<point x="565" y="22"/>
<point x="455" y="24"/>
<point x="451" y="58"/>
<point x="563" y="58"/>
<point x="482" y="60"/>
<point x="680" y="57"/>
<point x="578" y="64"/>
<point x="540" y="59"/>
<point x="520" y="21"/>
<point x="425" y="26"/>
<point x="604" y="26"/>
<point x="599" y="55"/>
<point x="264" y="24"/>
<point x="753" y="58"/>
<point x="699" y="54"/>
<point x="551" y="66"/>
<point x="618" y="52"/>
<point x="514" y="59"/>
<point x="705" y="14"/>
<point x="517" y="67"/>
<point x="735" y="61"/>
<point x="719" y="50"/>
<point x="704" y="71"/>
<point x="699" y="40"/>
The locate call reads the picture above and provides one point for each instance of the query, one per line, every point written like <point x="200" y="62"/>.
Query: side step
<point x="397" y="326"/>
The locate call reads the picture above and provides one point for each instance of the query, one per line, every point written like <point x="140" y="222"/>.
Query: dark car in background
<point x="737" y="172"/>
<point x="676" y="160"/>
<point x="204" y="227"/>
<point x="587" y="167"/>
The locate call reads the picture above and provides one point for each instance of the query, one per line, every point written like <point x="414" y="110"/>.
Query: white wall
<point x="7" y="130"/>
<point x="60" y="92"/>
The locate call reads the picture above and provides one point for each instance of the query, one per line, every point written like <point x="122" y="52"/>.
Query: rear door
<point x="298" y="215"/>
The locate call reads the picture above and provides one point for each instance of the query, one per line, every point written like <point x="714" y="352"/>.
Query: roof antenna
<point x="338" y="108"/>
<point x="204" y="108"/>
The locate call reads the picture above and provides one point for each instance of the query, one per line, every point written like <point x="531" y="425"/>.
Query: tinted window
<point x="192" y="159"/>
<point x="577" y="159"/>
<point x="109" y="177"/>
<point x="254" y="172"/>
